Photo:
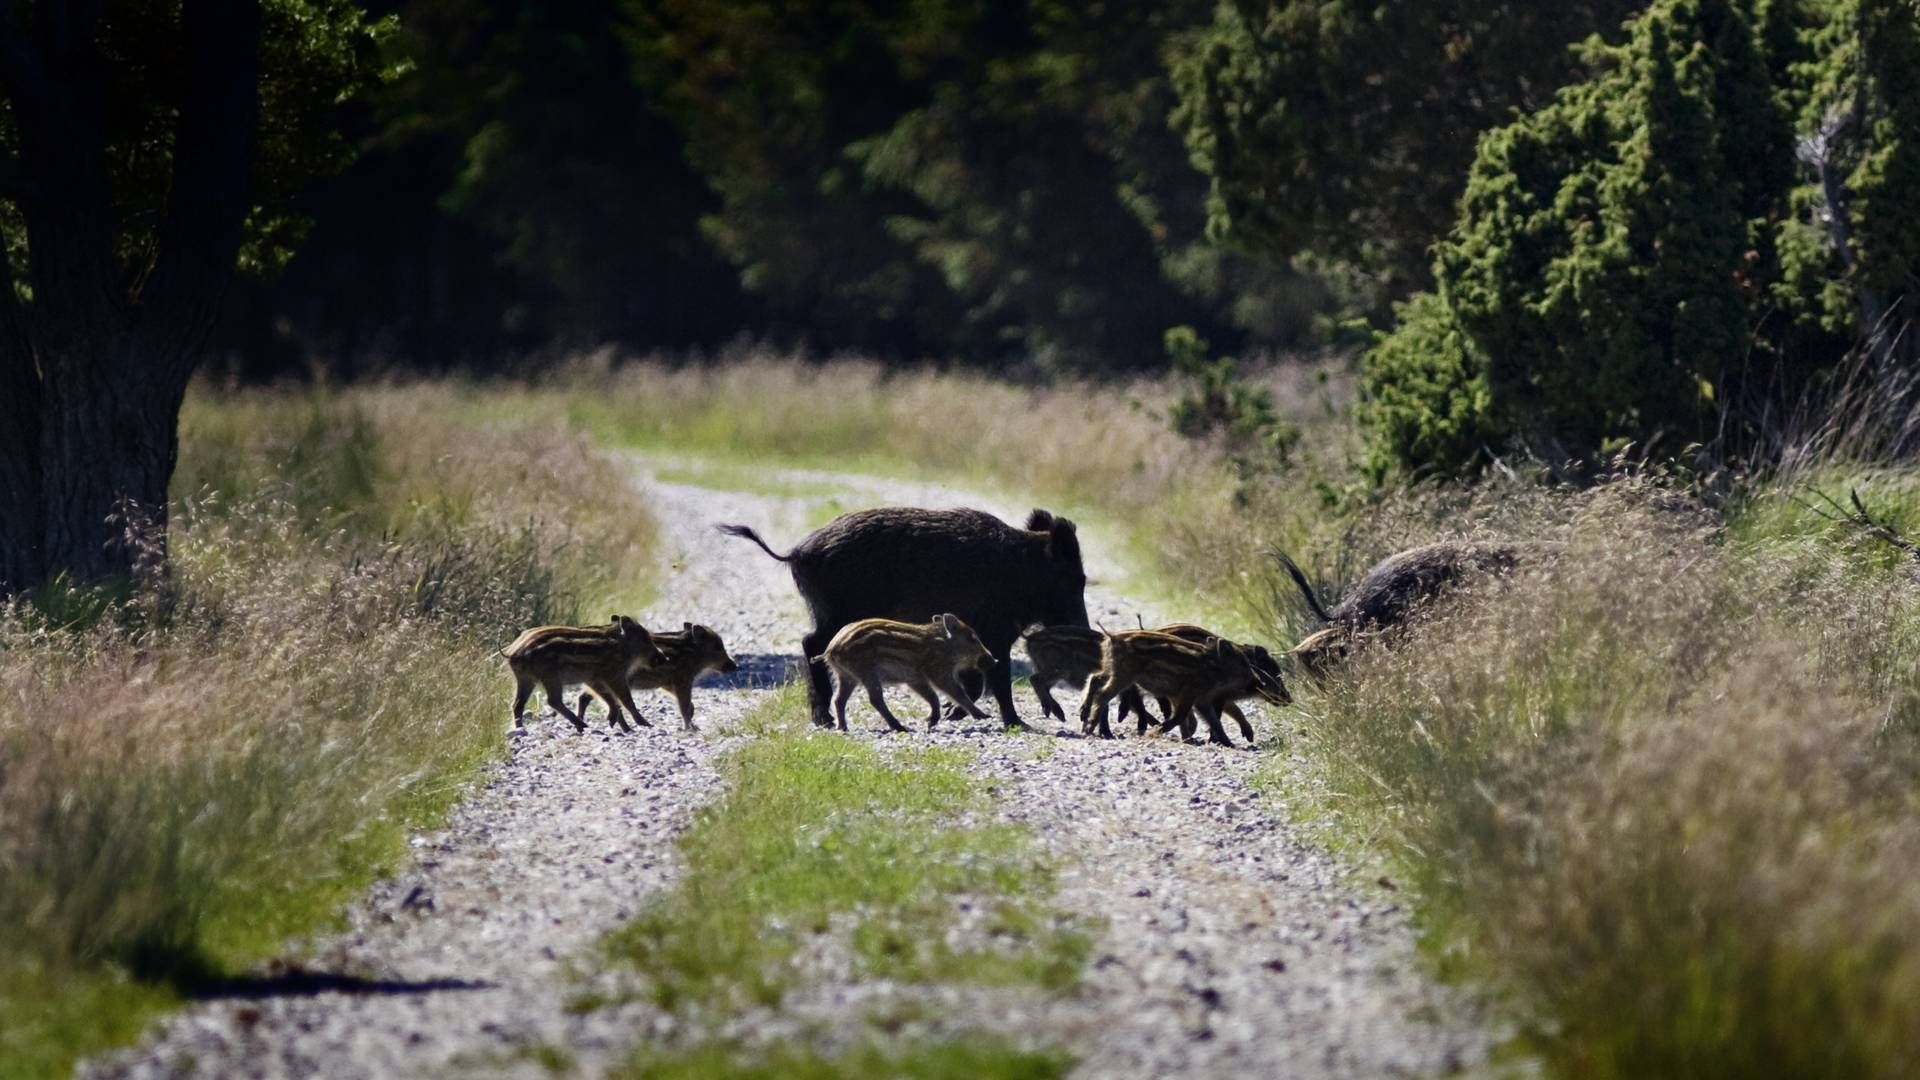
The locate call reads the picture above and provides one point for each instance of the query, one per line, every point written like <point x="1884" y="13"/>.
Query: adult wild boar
<point x="1398" y="587"/>
<point x="910" y="564"/>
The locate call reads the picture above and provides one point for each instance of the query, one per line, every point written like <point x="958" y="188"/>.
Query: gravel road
<point x="1231" y="946"/>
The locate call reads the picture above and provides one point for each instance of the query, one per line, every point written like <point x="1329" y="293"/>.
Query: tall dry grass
<point x="1660" y="791"/>
<point x="195" y="771"/>
<point x="1662" y="788"/>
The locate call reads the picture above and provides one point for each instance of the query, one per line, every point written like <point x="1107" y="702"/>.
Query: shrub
<point x="1642" y="260"/>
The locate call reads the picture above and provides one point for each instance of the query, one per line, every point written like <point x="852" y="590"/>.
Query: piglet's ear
<point x="686" y="626"/>
<point x="947" y="622"/>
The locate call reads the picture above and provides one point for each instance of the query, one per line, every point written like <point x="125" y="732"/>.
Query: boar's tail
<point x="1300" y="579"/>
<point x="748" y="534"/>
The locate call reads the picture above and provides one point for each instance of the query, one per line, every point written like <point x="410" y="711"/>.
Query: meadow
<point x="1654" y="795"/>
<point x="195" y="767"/>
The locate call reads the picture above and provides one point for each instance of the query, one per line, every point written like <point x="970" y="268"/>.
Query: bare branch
<point x="1858" y="518"/>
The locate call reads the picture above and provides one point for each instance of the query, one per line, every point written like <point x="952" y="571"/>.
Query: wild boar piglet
<point x="1193" y="677"/>
<point x="690" y="652"/>
<point x="1242" y="671"/>
<point x="1260" y="677"/>
<point x="599" y="657"/>
<point x="924" y="656"/>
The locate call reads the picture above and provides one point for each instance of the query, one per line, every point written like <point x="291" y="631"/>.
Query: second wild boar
<point x="1395" y="589"/>
<point x="910" y="564"/>
<point x="690" y="652"/>
<point x="927" y="657"/>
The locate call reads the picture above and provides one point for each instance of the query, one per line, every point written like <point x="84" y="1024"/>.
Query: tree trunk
<point x="93" y="371"/>
<point x="22" y="523"/>
<point x="108" y="445"/>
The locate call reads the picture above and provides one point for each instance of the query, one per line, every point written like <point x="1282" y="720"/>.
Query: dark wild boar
<point x="1395" y="589"/>
<point x="602" y="658"/>
<point x="925" y="656"/>
<point x="690" y="652"/>
<point x="910" y="564"/>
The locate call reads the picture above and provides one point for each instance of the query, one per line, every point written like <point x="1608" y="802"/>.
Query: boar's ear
<point x="1220" y="646"/>
<point x="948" y="622"/>
<point x="1039" y="520"/>
<point x="686" y="627"/>
<point x="1063" y="542"/>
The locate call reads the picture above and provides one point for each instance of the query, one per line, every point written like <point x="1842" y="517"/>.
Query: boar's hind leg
<point x="557" y="698"/>
<point x="1043" y="690"/>
<point x="522" y="690"/>
<point x="1093" y="707"/>
<point x="925" y="690"/>
<point x="879" y="699"/>
<point x="840" y="699"/>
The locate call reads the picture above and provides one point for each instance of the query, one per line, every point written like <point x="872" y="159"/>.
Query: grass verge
<point x="193" y="770"/>
<point x="827" y="842"/>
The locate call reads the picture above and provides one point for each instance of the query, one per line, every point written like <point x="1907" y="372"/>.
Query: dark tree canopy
<point x="1657" y="255"/>
<point x="149" y="151"/>
<point x="1344" y="130"/>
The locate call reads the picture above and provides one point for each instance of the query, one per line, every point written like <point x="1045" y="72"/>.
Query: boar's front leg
<point x="951" y="687"/>
<point x="819" y="682"/>
<point x="683" y="696"/>
<point x="1000" y="678"/>
<point x="625" y="694"/>
<point x="1246" y="729"/>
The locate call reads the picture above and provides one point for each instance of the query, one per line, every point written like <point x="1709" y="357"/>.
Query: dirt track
<point x="1231" y="948"/>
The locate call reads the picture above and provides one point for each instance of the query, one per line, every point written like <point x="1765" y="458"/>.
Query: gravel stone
<point x="1231" y="945"/>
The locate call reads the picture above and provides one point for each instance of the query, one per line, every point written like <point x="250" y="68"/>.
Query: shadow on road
<point x="301" y="982"/>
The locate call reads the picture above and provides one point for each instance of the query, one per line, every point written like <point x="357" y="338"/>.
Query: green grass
<point x="815" y="826"/>
<point x="193" y="775"/>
